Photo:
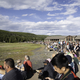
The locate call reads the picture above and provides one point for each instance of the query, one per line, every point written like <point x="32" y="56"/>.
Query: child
<point x="60" y="64"/>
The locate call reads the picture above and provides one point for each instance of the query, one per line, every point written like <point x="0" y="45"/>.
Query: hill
<point x="7" y="36"/>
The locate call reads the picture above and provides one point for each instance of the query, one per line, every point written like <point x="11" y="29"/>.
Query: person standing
<point x="77" y="50"/>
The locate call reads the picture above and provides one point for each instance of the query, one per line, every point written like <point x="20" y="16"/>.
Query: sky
<point x="41" y="17"/>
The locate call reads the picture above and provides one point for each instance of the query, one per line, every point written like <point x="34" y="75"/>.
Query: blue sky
<point x="42" y="17"/>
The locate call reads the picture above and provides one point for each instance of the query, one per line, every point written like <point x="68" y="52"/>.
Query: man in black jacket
<point x="11" y="72"/>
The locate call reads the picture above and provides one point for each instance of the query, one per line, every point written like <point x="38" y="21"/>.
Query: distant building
<point x="77" y="38"/>
<point x="62" y="38"/>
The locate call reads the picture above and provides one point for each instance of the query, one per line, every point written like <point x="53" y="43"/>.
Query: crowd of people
<point x="59" y="46"/>
<point x="63" y="65"/>
<point x="71" y="52"/>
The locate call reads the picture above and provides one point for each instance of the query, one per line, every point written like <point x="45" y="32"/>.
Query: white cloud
<point x="68" y="26"/>
<point x="3" y="17"/>
<point x="31" y="14"/>
<point x="14" y="17"/>
<point x="5" y="4"/>
<point x="52" y="14"/>
<point x="24" y="14"/>
<point x="70" y="17"/>
<point x="63" y="26"/>
<point x="55" y="3"/>
<point x="35" y="16"/>
<point x="73" y="4"/>
<point x="57" y="6"/>
<point x="70" y="10"/>
<point x="42" y="5"/>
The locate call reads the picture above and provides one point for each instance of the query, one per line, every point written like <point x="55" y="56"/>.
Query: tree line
<point x="11" y="37"/>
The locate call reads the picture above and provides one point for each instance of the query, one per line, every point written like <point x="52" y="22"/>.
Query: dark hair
<point x="10" y="62"/>
<point x="28" y="57"/>
<point x="60" y="61"/>
<point x="69" y="58"/>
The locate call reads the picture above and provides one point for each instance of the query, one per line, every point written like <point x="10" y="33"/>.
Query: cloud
<point x="41" y="5"/>
<point x="24" y="14"/>
<point x="4" y="17"/>
<point x="14" y="18"/>
<point x="31" y="14"/>
<point x="57" y="6"/>
<point x="71" y="8"/>
<point x="52" y="14"/>
<point x="73" y="4"/>
<point x="59" y="18"/>
<point x="69" y="26"/>
<point x="35" y="16"/>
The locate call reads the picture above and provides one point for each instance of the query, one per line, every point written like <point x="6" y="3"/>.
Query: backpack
<point x="63" y="77"/>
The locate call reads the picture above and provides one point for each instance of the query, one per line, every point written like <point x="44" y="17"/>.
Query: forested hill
<point x="6" y="36"/>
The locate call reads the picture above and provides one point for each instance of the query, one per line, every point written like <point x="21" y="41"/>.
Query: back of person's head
<point x="69" y="59"/>
<point x="10" y="62"/>
<point x="60" y="61"/>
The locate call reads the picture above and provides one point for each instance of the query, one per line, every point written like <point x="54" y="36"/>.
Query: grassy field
<point x="16" y="50"/>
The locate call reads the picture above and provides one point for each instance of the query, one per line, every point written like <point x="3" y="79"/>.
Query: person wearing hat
<point x="48" y="70"/>
<point x="19" y="65"/>
<point x="46" y="62"/>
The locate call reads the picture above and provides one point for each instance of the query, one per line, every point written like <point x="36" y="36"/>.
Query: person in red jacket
<point x="28" y="66"/>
